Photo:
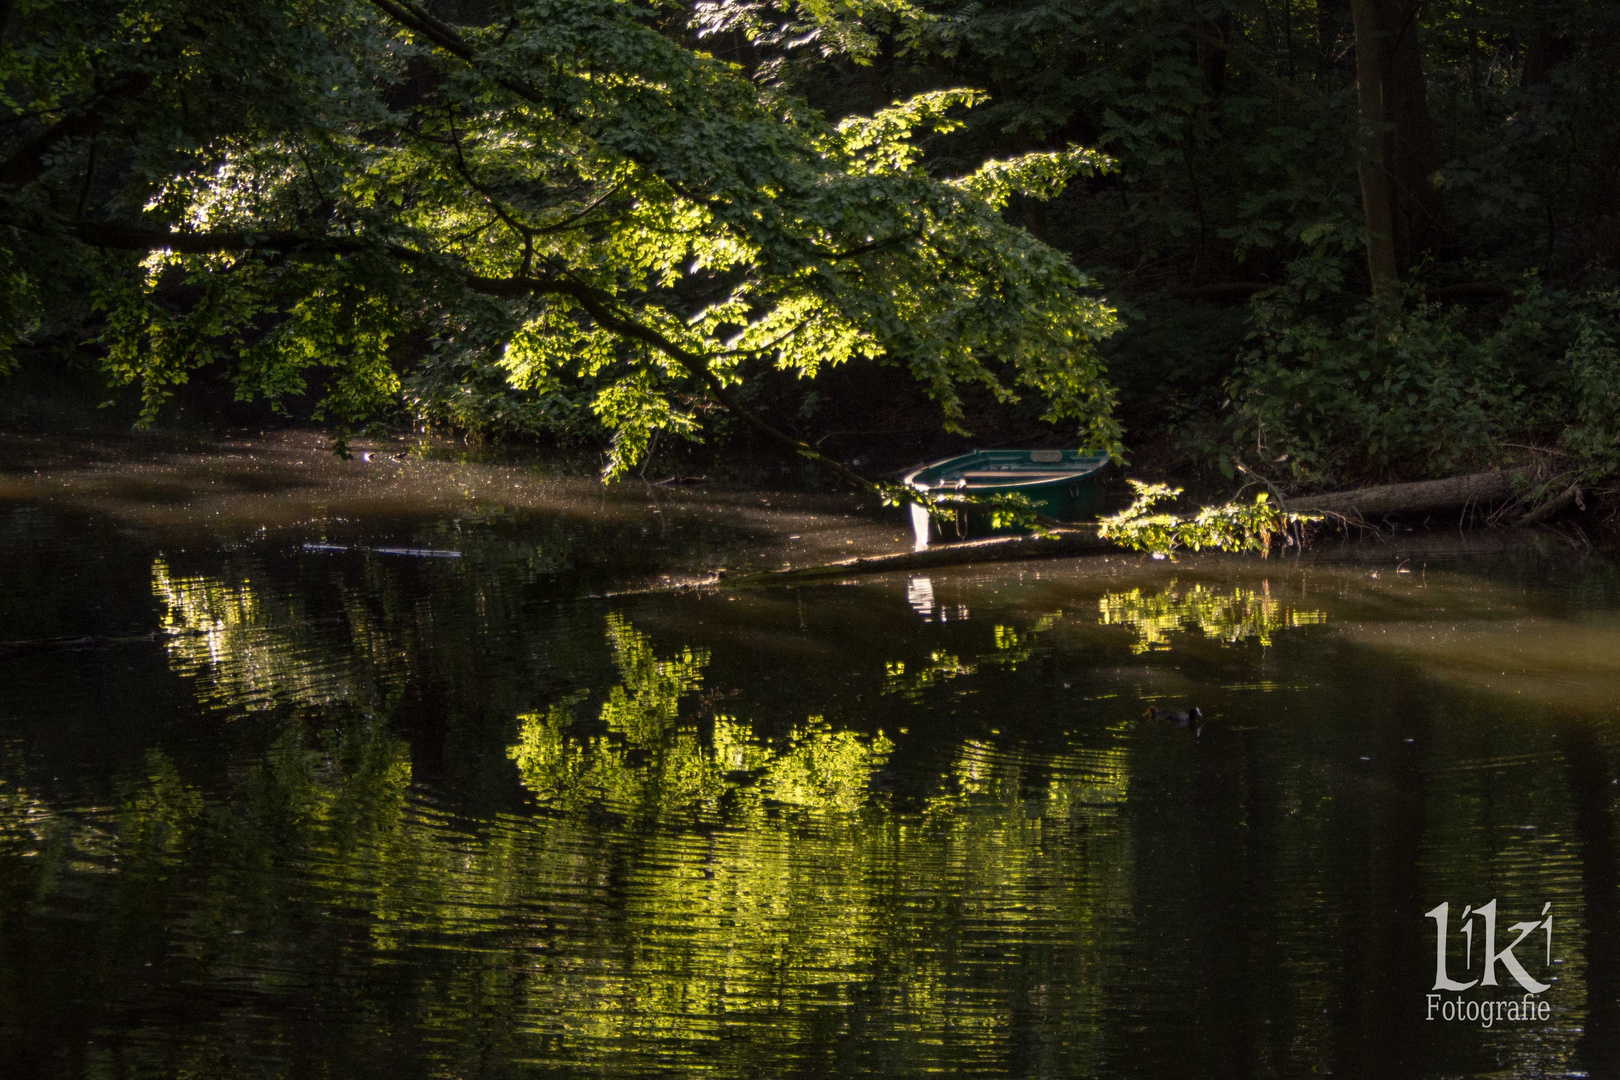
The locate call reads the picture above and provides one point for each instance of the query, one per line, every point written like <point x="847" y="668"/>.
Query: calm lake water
<point x="296" y="811"/>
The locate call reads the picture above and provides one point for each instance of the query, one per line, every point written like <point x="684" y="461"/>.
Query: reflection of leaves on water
<point x="251" y="650"/>
<point x="212" y="625"/>
<point x="825" y="769"/>
<point x="647" y="701"/>
<point x="941" y="666"/>
<point x="649" y="761"/>
<point x="1012" y="648"/>
<point x="37" y="844"/>
<point x="325" y="798"/>
<point x="157" y="819"/>
<point x="312" y="866"/>
<point x="1229" y="616"/>
<point x="1077" y="782"/>
<point x="552" y="765"/>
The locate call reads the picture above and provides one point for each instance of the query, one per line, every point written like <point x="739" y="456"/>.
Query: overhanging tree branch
<point x="599" y="307"/>
<point x="597" y="304"/>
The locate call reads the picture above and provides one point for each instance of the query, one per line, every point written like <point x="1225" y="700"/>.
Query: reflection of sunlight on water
<point x="1225" y="615"/>
<point x="920" y="595"/>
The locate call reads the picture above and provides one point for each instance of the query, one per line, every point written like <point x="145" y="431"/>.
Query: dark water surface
<point x="352" y="814"/>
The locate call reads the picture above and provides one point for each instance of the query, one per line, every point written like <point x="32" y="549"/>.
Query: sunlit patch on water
<point x="1560" y="663"/>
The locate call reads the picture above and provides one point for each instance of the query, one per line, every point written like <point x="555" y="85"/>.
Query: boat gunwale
<point x="1082" y="468"/>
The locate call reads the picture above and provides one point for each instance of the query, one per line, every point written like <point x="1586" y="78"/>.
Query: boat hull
<point x="1065" y="485"/>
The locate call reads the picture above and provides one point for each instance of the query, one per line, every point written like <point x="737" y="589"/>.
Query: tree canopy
<point x="558" y="197"/>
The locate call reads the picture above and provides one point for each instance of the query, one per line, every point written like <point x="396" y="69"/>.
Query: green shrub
<point x="1414" y="389"/>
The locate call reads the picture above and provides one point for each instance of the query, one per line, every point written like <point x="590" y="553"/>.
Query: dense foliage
<point x="564" y="201"/>
<point x="1422" y="389"/>
<point x="1349" y="239"/>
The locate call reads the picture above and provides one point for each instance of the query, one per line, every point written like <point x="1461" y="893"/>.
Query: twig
<point x="1246" y="471"/>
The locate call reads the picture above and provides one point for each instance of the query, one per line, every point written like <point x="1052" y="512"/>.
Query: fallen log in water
<point x="1074" y="541"/>
<point x="1454" y="492"/>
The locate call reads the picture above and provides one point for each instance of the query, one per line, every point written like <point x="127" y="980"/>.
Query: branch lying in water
<point x="1073" y="541"/>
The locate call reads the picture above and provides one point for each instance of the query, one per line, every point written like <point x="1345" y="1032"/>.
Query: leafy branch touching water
<point x="1232" y="526"/>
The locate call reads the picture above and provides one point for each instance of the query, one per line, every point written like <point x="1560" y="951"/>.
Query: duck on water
<point x="1193" y="718"/>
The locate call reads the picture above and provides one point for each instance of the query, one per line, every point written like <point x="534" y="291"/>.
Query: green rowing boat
<point x="1061" y="484"/>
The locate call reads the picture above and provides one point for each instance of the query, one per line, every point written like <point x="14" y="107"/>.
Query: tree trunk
<point x="1451" y="493"/>
<point x="1212" y="54"/>
<point x="1377" y="197"/>
<point x="1420" y="222"/>
<point x="1403" y="210"/>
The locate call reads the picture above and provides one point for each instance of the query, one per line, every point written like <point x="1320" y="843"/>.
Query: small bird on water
<point x="1193" y="718"/>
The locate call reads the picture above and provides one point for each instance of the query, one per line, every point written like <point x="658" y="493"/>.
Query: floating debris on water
<point x="416" y="553"/>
